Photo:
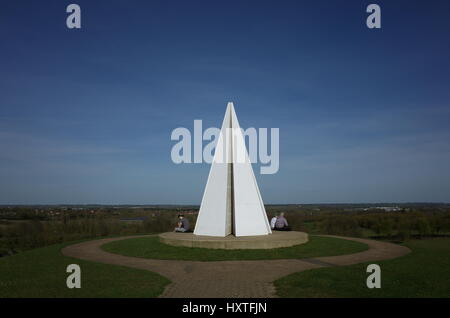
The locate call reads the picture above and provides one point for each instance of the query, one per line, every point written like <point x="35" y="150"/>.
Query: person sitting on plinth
<point x="273" y="221"/>
<point x="183" y="224"/>
<point x="281" y="223"/>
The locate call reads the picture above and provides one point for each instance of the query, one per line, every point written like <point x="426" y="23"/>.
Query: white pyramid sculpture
<point x="231" y="203"/>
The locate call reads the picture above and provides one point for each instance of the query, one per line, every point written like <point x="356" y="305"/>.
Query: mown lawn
<point x="423" y="273"/>
<point x="150" y="247"/>
<point x="42" y="273"/>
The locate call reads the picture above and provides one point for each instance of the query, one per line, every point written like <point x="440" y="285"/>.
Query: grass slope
<point x="423" y="273"/>
<point x="42" y="273"/>
<point x="150" y="247"/>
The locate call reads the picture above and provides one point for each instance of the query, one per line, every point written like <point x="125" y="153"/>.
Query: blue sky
<point x="86" y="115"/>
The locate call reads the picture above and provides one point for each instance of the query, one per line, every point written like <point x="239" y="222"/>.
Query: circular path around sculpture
<point x="229" y="279"/>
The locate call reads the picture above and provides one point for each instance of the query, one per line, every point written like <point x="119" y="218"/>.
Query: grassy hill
<point x="41" y="272"/>
<point x="422" y="273"/>
<point x="150" y="247"/>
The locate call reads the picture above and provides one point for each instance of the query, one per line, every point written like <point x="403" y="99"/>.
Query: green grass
<point x="150" y="247"/>
<point x="423" y="273"/>
<point x="42" y="273"/>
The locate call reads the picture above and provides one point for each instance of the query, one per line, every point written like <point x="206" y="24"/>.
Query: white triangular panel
<point x="214" y="217"/>
<point x="232" y="202"/>
<point x="250" y="216"/>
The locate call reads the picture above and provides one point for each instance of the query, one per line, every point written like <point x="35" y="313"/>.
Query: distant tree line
<point x="28" y="233"/>
<point x="26" y="228"/>
<point x="385" y="225"/>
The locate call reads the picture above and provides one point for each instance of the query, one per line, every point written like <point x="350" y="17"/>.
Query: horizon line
<point x="187" y="204"/>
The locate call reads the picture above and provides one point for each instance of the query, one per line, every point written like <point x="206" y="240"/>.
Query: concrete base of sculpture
<point x="275" y="240"/>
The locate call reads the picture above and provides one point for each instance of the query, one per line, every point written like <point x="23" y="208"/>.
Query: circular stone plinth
<point x="275" y="240"/>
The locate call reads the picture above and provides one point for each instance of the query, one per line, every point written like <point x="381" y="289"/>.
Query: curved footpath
<point x="230" y="279"/>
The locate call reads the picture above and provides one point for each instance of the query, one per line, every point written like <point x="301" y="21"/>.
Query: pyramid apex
<point x="230" y="108"/>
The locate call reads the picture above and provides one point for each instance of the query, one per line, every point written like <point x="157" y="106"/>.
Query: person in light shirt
<point x="272" y="222"/>
<point x="281" y="223"/>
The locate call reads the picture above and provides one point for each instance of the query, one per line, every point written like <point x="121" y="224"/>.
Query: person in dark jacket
<point x="183" y="224"/>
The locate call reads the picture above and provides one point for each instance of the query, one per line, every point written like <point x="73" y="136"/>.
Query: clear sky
<point x="86" y="115"/>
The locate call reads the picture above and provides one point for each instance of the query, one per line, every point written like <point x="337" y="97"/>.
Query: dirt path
<point x="231" y="279"/>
